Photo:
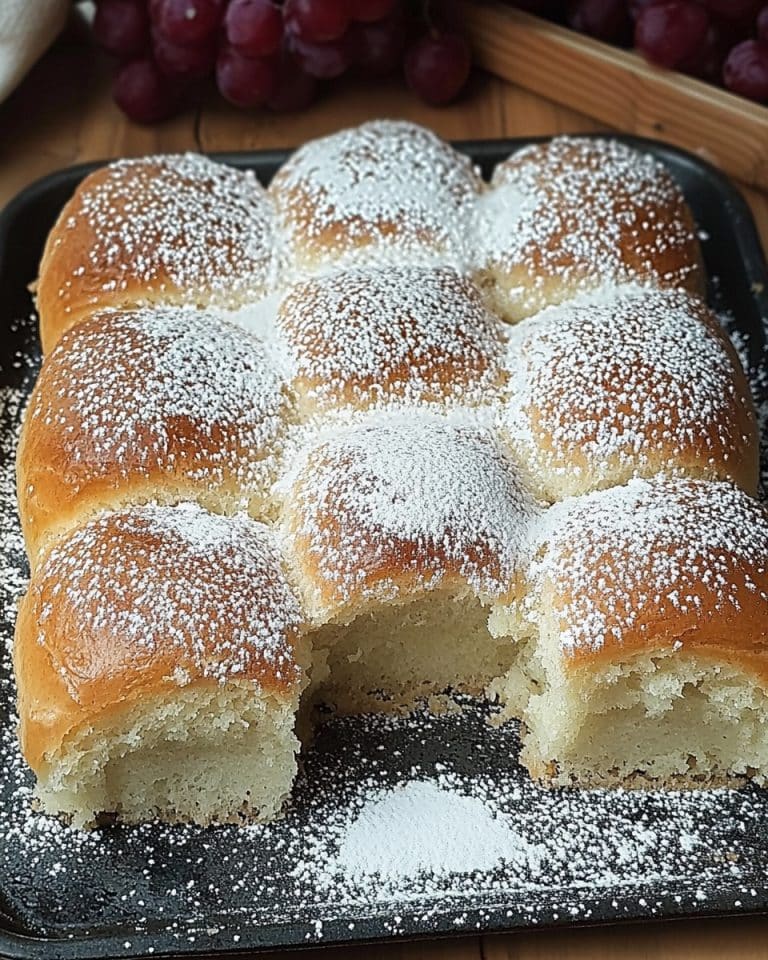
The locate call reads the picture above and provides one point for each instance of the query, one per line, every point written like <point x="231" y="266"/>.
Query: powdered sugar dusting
<point x="413" y="493"/>
<point x="182" y="224"/>
<point x="117" y="578"/>
<point x="586" y="212"/>
<point x="669" y="546"/>
<point x="642" y="378"/>
<point x="406" y="334"/>
<point x="549" y="855"/>
<point x="383" y="185"/>
<point x="169" y="390"/>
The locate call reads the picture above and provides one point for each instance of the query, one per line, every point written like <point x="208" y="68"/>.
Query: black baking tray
<point x="169" y="891"/>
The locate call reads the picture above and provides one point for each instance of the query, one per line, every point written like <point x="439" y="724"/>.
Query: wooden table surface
<point x="63" y="114"/>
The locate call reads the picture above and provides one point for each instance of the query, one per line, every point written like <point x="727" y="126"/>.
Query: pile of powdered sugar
<point x="425" y="827"/>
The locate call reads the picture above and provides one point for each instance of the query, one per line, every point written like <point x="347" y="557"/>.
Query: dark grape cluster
<point x="274" y="53"/>
<point x="722" y="41"/>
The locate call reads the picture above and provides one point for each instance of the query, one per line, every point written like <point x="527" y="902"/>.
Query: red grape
<point x="322" y="60"/>
<point x="187" y="21"/>
<point x="377" y="48"/>
<point x="369" y="11"/>
<point x="672" y="33"/>
<point x="254" y="27"/>
<point x="707" y="62"/>
<point x="294" y="89"/>
<point x="762" y="25"/>
<point x="605" y="19"/>
<point x="733" y="9"/>
<point x="636" y="7"/>
<point x="143" y="93"/>
<point x="177" y="60"/>
<point x="317" y="21"/>
<point x="122" y="27"/>
<point x="245" y="81"/>
<point x="274" y="52"/>
<point x="746" y="70"/>
<point x="437" y="67"/>
<point x="541" y="7"/>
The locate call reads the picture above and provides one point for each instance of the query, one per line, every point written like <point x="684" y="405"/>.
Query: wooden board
<point x="619" y="88"/>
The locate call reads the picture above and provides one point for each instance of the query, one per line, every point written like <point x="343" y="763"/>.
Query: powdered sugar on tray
<point x="422" y="827"/>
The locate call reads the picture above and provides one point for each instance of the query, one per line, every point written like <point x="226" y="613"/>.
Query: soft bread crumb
<point x="210" y="754"/>
<point x="661" y="720"/>
<point x="399" y="654"/>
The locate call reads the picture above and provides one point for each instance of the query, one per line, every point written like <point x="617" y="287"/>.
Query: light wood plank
<point x="620" y="89"/>
<point x="744" y="939"/>
<point x="223" y="127"/>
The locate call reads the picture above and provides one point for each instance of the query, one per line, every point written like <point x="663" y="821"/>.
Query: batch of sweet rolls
<point x="376" y="435"/>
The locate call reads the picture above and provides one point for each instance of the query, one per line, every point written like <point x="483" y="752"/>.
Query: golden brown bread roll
<point x="381" y="192"/>
<point x="149" y="405"/>
<point x="576" y="213"/>
<point x="156" y="230"/>
<point x="399" y="503"/>
<point x="642" y="382"/>
<point x="408" y="335"/>
<point x="651" y="606"/>
<point x="400" y="532"/>
<point x="149" y="640"/>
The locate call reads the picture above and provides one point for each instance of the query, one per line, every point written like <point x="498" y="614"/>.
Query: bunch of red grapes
<point x="273" y="53"/>
<point x="722" y="41"/>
